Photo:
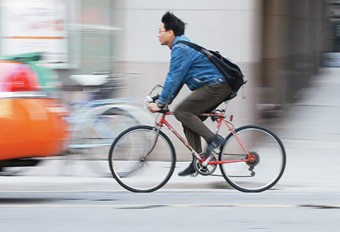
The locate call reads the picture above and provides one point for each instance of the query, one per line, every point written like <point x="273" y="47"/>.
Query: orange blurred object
<point x="31" y="127"/>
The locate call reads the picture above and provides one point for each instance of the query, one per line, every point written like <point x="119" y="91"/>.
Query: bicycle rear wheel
<point x="141" y="160"/>
<point x="267" y="165"/>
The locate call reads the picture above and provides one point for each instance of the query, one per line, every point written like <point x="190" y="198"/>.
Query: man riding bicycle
<point x="210" y="88"/>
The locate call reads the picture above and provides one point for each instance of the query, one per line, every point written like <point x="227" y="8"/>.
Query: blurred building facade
<point x="279" y="44"/>
<point x="295" y="37"/>
<point x="332" y="57"/>
<point x="231" y="27"/>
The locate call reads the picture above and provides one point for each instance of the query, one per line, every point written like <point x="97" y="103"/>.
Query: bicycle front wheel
<point x="267" y="163"/>
<point x="141" y="160"/>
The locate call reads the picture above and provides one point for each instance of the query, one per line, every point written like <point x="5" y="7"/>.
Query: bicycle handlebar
<point x="153" y="99"/>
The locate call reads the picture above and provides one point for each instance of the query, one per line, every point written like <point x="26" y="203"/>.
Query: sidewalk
<point x="310" y="132"/>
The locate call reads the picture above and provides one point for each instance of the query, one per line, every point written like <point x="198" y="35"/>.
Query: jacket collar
<point x="179" y="38"/>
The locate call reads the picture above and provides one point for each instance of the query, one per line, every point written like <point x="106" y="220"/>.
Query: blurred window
<point x="96" y="36"/>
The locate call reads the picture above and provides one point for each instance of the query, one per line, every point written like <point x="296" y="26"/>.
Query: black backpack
<point x="229" y="70"/>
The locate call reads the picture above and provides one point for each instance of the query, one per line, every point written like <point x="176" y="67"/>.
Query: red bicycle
<point x="143" y="158"/>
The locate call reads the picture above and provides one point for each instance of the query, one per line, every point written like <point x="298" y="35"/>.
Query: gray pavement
<point x="310" y="132"/>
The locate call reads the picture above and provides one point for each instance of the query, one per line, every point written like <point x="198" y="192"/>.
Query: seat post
<point x="226" y="104"/>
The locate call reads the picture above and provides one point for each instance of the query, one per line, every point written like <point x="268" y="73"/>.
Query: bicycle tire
<point x="137" y="163"/>
<point x="268" y="167"/>
<point x="111" y="123"/>
<point x="96" y="135"/>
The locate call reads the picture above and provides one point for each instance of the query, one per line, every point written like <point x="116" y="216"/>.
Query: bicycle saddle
<point x="90" y="79"/>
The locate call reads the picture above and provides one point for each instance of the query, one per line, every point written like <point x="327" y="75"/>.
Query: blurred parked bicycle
<point x="96" y="121"/>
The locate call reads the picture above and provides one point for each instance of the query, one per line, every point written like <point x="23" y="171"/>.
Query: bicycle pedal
<point x="194" y="174"/>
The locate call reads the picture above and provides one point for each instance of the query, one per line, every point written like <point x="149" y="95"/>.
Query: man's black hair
<point x="171" y="22"/>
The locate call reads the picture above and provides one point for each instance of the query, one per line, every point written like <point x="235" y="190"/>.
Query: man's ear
<point x="171" y="33"/>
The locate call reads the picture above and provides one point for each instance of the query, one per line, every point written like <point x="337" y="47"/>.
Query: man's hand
<point x="153" y="107"/>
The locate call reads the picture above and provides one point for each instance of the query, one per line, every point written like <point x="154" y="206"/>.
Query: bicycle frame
<point x="221" y="119"/>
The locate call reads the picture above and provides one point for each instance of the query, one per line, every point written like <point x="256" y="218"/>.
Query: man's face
<point x="165" y="37"/>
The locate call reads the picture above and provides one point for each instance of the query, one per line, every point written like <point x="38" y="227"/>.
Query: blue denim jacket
<point x="190" y="67"/>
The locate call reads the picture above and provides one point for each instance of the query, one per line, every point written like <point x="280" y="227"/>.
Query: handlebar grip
<point x="154" y="98"/>
<point x="164" y="110"/>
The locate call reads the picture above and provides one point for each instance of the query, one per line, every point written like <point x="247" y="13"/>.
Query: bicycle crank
<point x="205" y="169"/>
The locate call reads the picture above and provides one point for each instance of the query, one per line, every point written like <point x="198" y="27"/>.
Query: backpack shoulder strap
<point x="192" y="45"/>
<point x="198" y="48"/>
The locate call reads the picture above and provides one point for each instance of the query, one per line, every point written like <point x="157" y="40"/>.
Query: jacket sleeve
<point x="179" y="66"/>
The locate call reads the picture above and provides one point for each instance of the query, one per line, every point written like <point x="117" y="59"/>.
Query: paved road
<point x="169" y="211"/>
